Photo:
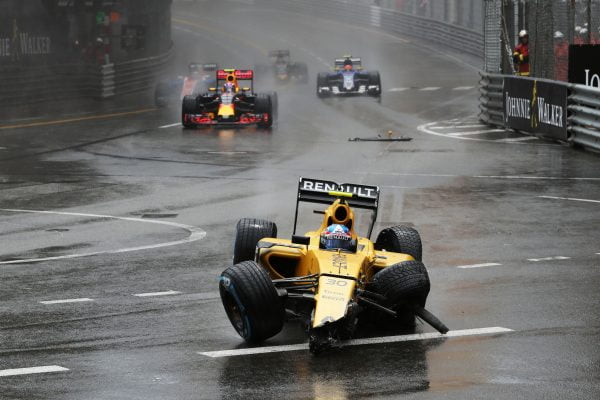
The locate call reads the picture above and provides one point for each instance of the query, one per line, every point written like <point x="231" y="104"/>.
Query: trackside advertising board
<point x="536" y="106"/>
<point x="584" y="64"/>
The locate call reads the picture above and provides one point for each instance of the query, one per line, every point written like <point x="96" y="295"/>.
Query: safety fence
<point x="465" y="40"/>
<point x="558" y="110"/>
<point x="57" y="82"/>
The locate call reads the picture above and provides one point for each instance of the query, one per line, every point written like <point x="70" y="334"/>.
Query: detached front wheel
<point x="251" y="301"/>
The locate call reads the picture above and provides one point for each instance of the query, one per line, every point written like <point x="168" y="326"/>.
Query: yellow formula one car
<point x="330" y="278"/>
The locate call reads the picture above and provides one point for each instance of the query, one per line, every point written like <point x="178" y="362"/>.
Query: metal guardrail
<point x="583" y="122"/>
<point x="583" y="106"/>
<point x="20" y="85"/>
<point x="388" y="20"/>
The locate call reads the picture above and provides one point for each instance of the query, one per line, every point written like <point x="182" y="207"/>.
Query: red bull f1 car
<point x="349" y="79"/>
<point x="330" y="278"/>
<point x="199" y="79"/>
<point x="230" y="103"/>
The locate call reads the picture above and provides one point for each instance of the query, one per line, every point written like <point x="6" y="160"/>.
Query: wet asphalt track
<point x="155" y="209"/>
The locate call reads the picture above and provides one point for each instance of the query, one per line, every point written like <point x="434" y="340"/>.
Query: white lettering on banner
<point x="550" y="114"/>
<point x="590" y="82"/>
<point x="517" y="107"/>
<point x="26" y="45"/>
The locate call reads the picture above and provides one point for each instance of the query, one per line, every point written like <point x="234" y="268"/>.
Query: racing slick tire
<point x="251" y="301"/>
<point x="275" y="104"/>
<point x="264" y="104"/>
<point x="405" y="286"/>
<point x="248" y="232"/>
<point x="322" y="80"/>
<point x="401" y="239"/>
<point x="375" y="79"/>
<point x="188" y="106"/>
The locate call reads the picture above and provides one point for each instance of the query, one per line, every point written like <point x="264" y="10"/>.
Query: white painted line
<point x="569" y="198"/>
<point x="170" y="125"/>
<point x="357" y="342"/>
<point x="430" y="89"/>
<point x="152" y="294"/>
<point x="398" y="89"/>
<point x="459" y="126"/>
<point x="476" y="132"/>
<point x="195" y="234"/>
<point x="548" y="258"/>
<point x="32" y="370"/>
<point x="463" y="88"/>
<point x="518" y="139"/>
<point x="81" y="300"/>
<point x="478" y="265"/>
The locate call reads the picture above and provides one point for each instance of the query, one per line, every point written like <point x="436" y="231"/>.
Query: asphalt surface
<point x="132" y="223"/>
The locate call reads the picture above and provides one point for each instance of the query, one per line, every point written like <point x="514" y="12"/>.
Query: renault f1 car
<point x="230" y="104"/>
<point x="330" y="278"/>
<point x="349" y="79"/>
<point x="200" y="78"/>
<point x="283" y="69"/>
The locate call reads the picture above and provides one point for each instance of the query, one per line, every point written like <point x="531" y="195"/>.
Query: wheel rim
<point x="234" y="313"/>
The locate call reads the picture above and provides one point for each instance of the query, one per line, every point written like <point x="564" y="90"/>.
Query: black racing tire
<point x="251" y="301"/>
<point x="274" y="104"/>
<point x="401" y="239"/>
<point x="189" y="105"/>
<point x="404" y="285"/>
<point x="264" y="104"/>
<point x="248" y="232"/>
<point x="375" y="79"/>
<point x="322" y="80"/>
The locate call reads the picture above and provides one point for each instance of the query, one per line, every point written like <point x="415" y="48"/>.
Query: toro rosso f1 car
<point x="230" y="104"/>
<point x="330" y="278"/>
<point x="284" y="70"/>
<point x="200" y="78"/>
<point x="347" y="79"/>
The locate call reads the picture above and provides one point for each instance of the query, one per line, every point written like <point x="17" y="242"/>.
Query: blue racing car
<point x="349" y="79"/>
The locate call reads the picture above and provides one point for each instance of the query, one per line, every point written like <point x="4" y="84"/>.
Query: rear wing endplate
<point x="326" y="192"/>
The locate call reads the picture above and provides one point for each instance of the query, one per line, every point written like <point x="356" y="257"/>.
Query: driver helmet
<point x="229" y="87"/>
<point x="336" y="236"/>
<point x="348" y="64"/>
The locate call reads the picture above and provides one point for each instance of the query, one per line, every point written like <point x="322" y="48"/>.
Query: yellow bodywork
<point x="226" y="110"/>
<point x="339" y="272"/>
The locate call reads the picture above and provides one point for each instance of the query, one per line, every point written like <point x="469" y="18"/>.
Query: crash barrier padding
<point x="583" y="108"/>
<point x="20" y="85"/>
<point x="391" y="21"/>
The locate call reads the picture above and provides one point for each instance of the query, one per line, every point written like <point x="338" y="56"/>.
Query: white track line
<point x="81" y="300"/>
<point x="569" y="198"/>
<point x="430" y="89"/>
<point x="152" y="294"/>
<point x="455" y="126"/>
<point x="195" y="234"/>
<point x="170" y="125"/>
<point x="548" y="259"/>
<point x="478" y="265"/>
<point x="32" y="370"/>
<point x="518" y="139"/>
<point x="463" y="88"/>
<point x="357" y="342"/>
<point x="398" y="89"/>
<point x="455" y="134"/>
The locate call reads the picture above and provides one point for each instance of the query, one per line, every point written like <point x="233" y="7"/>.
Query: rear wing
<point x="339" y="63"/>
<point x="239" y="74"/>
<point x="326" y="192"/>
<point x="209" y="67"/>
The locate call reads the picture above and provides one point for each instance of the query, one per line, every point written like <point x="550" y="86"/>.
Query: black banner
<point x="536" y="106"/>
<point x="584" y="64"/>
<point x="33" y="41"/>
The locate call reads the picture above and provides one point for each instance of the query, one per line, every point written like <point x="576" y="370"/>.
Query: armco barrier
<point x="68" y="81"/>
<point x="583" y="105"/>
<point x="392" y="21"/>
